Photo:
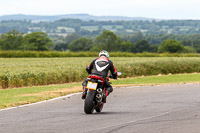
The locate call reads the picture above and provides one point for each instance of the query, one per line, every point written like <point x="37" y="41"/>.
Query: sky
<point x="159" y="9"/>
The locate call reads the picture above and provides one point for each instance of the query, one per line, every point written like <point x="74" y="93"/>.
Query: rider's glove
<point x="115" y="75"/>
<point x="87" y="69"/>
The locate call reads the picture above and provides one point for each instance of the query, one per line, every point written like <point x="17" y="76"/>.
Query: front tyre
<point x="89" y="102"/>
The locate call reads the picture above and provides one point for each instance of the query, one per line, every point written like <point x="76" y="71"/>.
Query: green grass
<point x="162" y="79"/>
<point x="20" y="96"/>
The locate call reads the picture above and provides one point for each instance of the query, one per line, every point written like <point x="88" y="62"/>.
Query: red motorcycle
<point x="95" y="93"/>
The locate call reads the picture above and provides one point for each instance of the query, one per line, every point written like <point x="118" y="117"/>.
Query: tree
<point x="127" y="46"/>
<point x="98" y="47"/>
<point x="61" y="44"/>
<point x="38" y="41"/>
<point x="109" y="41"/>
<point x="198" y="48"/>
<point x="171" y="46"/>
<point x="11" y="40"/>
<point x="153" y="48"/>
<point x="188" y="49"/>
<point x="81" y="44"/>
<point x="71" y="37"/>
<point x="77" y="28"/>
<point x="61" y="47"/>
<point x="142" y="46"/>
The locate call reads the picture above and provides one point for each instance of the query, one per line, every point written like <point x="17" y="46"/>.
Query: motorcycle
<point x="95" y="93"/>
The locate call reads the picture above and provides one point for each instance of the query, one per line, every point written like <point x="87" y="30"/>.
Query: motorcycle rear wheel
<point x="89" y="102"/>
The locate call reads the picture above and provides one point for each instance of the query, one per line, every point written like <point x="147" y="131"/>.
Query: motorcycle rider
<point x="100" y="67"/>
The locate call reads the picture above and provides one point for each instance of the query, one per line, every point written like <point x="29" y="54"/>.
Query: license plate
<point x="92" y="85"/>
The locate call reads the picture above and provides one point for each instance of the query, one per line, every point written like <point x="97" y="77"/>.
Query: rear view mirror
<point x="119" y="73"/>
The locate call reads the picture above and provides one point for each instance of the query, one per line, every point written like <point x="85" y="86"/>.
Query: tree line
<point x="107" y="40"/>
<point x="90" y="28"/>
<point x="111" y="42"/>
<point x="35" y="41"/>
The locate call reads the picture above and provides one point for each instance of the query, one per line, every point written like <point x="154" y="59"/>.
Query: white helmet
<point x="104" y="53"/>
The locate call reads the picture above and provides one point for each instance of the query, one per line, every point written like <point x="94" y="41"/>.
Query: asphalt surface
<point x="147" y="109"/>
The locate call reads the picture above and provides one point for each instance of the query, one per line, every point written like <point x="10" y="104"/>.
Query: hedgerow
<point x="52" y="54"/>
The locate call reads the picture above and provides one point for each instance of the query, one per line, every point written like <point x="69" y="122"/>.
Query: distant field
<point x="90" y="28"/>
<point x="106" y="27"/>
<point x="18" y="72"/>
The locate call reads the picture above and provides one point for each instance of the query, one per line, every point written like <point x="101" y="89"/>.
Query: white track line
<point x="57" y="98"/>
<point x="41" y="101"/>
<point x="76" y="94"/>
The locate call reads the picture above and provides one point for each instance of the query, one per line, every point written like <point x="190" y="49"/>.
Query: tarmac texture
<point x="140" y="109"/>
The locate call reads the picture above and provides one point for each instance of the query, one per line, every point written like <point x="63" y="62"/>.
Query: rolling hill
<point x="85" y="17"/>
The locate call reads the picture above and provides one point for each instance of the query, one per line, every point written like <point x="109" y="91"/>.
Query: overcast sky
<point x="160" y="9"/>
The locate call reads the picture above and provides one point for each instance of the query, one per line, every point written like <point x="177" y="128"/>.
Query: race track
<point x="147" y="109"/>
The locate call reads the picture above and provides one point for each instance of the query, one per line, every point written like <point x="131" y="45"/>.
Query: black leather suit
<point x="100" y="67"/>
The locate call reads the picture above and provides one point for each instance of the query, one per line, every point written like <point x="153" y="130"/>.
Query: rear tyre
<point x="89" y="104"/>
<point x="99" y="109"/>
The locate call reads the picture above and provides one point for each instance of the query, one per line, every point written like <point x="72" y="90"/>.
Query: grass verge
<point x="159" y="80"/>
<point x="26" y="95"/>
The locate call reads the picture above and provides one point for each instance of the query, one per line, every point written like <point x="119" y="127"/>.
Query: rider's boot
<point x="107" y="92"/>
<point x="84" y="92"/>
<point x="105" y="96"/>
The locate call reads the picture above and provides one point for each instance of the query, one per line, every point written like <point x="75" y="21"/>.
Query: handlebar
<point x="118" y="74"/>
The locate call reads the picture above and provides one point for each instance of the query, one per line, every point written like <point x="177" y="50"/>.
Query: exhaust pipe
<point x="99" y="90"/>
<point x="99" y="97"/>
